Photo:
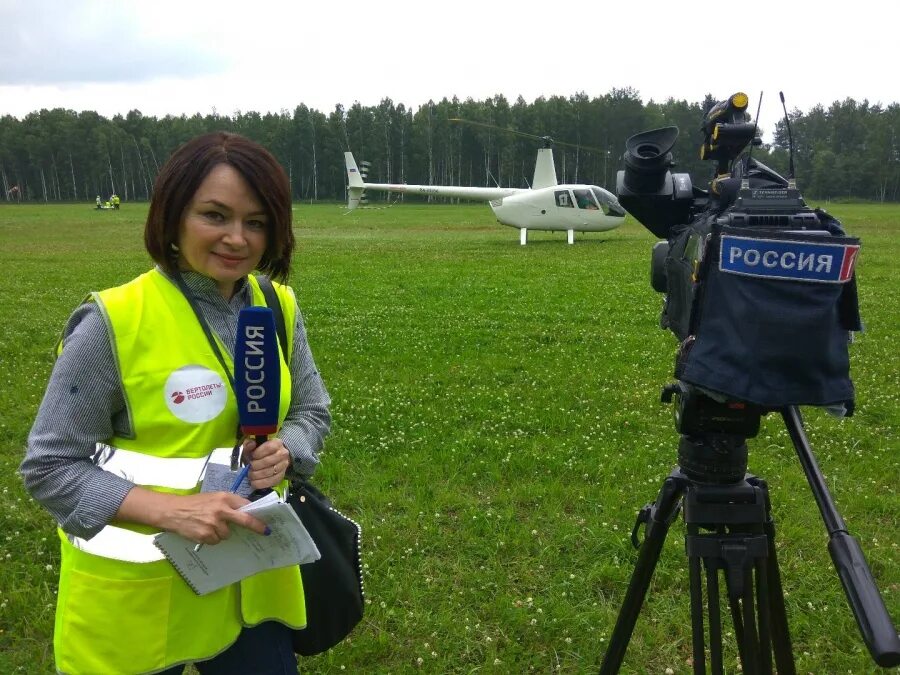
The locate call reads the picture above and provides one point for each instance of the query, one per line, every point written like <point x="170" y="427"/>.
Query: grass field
<point x="497" y="426"/>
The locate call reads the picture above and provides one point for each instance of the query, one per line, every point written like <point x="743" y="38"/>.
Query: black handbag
<point x="332" y="585"/>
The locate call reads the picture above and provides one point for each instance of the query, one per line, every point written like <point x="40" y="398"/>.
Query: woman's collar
<point x="202" y="284"/>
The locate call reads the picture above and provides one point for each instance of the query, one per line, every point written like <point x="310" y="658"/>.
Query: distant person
<point x="115" y="201"/>
<point x="99" y="203"/>
<point x="138" y="400"/>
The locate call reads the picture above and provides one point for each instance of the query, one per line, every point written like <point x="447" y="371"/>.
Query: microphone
<point x="257" y="380"/>
<point x="257" y="373"/>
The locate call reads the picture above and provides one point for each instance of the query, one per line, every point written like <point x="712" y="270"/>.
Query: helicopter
<point x="546" y="205"/>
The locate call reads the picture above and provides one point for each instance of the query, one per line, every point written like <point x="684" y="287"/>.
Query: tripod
<point x="730" y="529"/>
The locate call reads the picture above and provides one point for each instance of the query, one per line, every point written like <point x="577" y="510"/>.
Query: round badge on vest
<point x="195" y="394"/>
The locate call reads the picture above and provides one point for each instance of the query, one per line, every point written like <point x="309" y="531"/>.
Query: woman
<point x="123" y="434"/>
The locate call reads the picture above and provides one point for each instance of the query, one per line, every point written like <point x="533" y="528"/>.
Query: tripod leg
<point x="715" y="617"/>
<point x="763" y="613"/>
<point x="750" y="658"/>
<point x="661" y="517"/>
<point x="697" y="608"/>
<point x="737" y="621"/>
<point x="744" y="622"/>
<point x="781" y="636"/>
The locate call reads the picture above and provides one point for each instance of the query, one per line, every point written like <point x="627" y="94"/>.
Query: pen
<point x="242" y="474"/>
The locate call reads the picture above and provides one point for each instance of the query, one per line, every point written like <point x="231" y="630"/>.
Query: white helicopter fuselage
<point x="545" y="206"/>
<point x="555" y="208"/>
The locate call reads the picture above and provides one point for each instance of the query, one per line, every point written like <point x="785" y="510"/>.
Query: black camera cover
<point x="771" y="312"/>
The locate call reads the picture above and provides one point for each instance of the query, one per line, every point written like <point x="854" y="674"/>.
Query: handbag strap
<point x="268" y="291"/>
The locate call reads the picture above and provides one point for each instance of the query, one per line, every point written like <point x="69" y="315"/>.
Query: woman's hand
<point x="204" y="517"/>
<point x="268" y="462"/>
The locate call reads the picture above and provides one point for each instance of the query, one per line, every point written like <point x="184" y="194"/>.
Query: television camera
<point x="761" y="293"/>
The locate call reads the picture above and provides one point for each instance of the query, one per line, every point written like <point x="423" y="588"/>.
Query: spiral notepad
<point x="244" y="553"/>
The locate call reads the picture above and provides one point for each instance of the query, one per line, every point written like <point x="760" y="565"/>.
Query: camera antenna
<point x="787" y="123"/>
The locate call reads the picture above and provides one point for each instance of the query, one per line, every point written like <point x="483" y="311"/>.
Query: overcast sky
<point x="187" y="56"/>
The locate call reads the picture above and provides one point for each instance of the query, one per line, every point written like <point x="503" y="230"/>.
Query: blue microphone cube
<point x="257" y="371"/>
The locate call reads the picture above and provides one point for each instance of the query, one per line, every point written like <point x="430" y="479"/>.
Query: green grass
<point x="497" y="425"/>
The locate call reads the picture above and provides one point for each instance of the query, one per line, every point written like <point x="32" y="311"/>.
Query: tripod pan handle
<point x="871" y="615"/>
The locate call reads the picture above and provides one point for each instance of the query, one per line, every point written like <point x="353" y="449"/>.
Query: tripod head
<point x="713" y="447"/>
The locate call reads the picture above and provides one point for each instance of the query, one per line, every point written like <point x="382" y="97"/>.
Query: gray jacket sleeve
<point x="308" y="420"/>
<point x="83" y="405"/>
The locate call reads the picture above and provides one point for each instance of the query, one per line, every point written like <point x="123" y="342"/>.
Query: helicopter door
<point x="566" y="215"/>
<point x="564" y="199"/>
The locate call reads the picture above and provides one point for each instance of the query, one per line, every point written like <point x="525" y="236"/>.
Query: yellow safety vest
<point x="121" y="607"/>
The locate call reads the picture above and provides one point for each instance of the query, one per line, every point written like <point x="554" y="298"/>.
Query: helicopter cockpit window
<point x="585" y="200"/>
<point x="563" y="199"/>
<point x="608" y="203"/>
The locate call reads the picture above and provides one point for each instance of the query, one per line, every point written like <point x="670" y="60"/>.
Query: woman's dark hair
<point x="189" y="165"/>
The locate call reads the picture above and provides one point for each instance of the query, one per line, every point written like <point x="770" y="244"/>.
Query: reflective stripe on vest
<point x="176" y="473"/>
<point x="119" y="544"/>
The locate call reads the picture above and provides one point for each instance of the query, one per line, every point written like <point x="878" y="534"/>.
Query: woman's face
<point x="222" y="233"/>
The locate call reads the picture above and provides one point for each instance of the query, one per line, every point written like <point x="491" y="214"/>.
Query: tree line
<point x="847" y="150"/>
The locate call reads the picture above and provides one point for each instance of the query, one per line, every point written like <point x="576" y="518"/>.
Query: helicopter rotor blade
<point x="493" y="127"/>
<point x="548" y="141"/>
<point x="578" y="146"/>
